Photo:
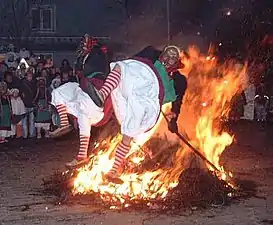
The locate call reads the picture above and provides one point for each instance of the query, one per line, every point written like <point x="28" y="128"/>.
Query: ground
<point x="25" y="163"/>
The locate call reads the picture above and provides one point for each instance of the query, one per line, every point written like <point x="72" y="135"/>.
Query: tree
<point x="15" y="16"/>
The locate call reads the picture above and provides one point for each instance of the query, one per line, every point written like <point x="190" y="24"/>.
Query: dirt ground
<point x="25" y="163"/>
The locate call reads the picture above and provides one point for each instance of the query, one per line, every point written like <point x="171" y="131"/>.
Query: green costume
<point x="5" y="115"/>
<point x="43" y="114"/>
<point x="168" y="83"/>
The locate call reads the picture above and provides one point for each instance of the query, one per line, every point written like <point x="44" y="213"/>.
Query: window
<point x="43" y="18"/>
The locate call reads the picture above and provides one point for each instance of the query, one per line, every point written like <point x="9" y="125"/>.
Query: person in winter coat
<point x="28" y="92"/>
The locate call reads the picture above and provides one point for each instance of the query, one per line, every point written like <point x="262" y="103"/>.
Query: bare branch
<point x="15" y="18"/>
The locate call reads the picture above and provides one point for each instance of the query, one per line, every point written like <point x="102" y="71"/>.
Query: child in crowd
<point x="18" y="112"/>
<point x="43" y="115"/>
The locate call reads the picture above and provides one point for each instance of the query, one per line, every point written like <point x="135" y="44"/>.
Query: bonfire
<point x="161" y="171"/>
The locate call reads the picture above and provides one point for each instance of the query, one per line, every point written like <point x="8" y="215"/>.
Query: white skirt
<point x="79" y="104"/>
<point x="135" y="100"/>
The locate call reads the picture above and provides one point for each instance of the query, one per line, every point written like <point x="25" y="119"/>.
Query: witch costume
<point x="137" y="89"/>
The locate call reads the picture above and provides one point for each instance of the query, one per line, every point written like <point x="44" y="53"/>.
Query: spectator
<point x="32" y="60"/>
<point x="31" y="69"/>
<point x="57" y="70"/>
<point x="74" y="78"/>
<point x="52" y="73"/>
<point x="10" y="79"/>
<point x="3" y="69"/>
<point x="65" y="78"/>
<point x="65" y="67"/>
<point x="24" y="53"/>
<point x="11" y="60"/>
<point x="56" y="82"/>
<point x="21" y="72"/>
<point x="261" y="102"/>
<point x="43" y="115"/>
<point x="28" y="93"/>
<point x="48" y="62"/>
<point x="5" y="113"/>
<point x="18" y="111"/>
<point x="39" y="68"/>
<point x="45" y="75"/>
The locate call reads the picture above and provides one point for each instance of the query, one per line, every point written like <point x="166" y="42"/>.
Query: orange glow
<point x="211" y="87"/>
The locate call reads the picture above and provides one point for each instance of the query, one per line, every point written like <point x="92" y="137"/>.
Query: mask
<point x="170" y="58"/>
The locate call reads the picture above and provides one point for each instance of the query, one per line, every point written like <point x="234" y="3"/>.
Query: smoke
<point x="192" y="22"/>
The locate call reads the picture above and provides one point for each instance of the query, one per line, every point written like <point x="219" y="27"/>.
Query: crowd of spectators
<point x="26" y="83"/>
<point x="27" y="80"/>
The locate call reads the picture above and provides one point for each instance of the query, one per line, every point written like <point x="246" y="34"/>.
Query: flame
<point x="211" y="88"/>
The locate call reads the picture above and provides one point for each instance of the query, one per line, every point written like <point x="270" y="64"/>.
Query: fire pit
<point x="162" y="173"/>
<point x="196" y="187"/>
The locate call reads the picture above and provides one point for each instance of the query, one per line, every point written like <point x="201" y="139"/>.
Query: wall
<point x="85" y="16"/>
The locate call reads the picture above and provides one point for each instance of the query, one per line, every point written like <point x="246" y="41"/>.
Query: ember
<point x="161" y="171"/>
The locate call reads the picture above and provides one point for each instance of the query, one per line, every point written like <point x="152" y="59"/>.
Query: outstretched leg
<point x="111" y="82"/>
<point x="84" y="136"/>
<point x="62" y="111"/>
<point x="60" y="97"/>
<point x="65" y="127"/>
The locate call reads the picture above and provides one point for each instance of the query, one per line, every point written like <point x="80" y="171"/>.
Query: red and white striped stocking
<point x="63" y="114"/>
<point x="84" y="144"/>
<point x="121" y="152"/>
<point x="110" y="83"/>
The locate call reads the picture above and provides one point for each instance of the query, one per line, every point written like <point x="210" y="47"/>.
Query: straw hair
<point x="172" y="46"/>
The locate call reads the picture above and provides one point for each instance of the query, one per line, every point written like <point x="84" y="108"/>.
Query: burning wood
<point x="159" y="172"/>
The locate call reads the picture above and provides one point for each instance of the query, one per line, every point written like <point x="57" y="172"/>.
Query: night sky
<point x="232" y="25"/>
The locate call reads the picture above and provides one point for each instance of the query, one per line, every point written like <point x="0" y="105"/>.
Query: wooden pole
<point x="168" y="21"/>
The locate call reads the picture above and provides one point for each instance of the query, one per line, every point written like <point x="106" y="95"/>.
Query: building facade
<point x="55" y="27"/>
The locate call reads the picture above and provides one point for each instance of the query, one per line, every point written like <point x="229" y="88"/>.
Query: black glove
<point x="173" y="126"/>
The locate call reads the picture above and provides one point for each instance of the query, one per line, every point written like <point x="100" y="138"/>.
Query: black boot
<point x="61" y="131"/>
<point x="94" y="94"/>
